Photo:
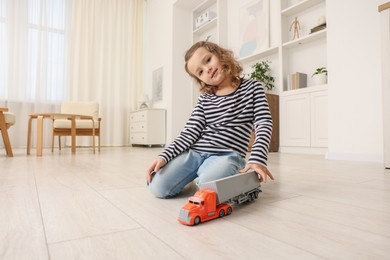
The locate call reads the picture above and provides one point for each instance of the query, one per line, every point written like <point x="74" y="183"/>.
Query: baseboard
<point x="354" y="157"/>
<point x="303" y="150"/>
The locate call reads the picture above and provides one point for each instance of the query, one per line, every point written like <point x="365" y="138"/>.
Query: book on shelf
<point x="318" y="28"/>
<point x="296" y="80"/>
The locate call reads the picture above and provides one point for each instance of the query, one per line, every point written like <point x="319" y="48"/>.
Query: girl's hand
<point x="262" y="171"/>
<point x="156" y="165"/>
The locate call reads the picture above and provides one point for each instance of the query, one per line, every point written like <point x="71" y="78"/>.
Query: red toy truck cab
<point x="202" y="207"/>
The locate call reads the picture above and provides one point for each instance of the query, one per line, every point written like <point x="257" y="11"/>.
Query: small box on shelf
<point x="205" y="17"/>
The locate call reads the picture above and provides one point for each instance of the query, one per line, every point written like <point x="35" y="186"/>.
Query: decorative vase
<point x="320" y="79"/>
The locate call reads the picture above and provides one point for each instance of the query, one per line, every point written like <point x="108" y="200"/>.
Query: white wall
<point x="158" y="50"/>
<point x="167" y="40"/>
<point x="355" y="102"/>
<point x="182" y="85"/>
<point x="354" y="65"/>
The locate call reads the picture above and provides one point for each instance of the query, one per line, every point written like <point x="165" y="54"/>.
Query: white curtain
<point x="106" y="61"/>
<point x="34" y="60"/>
<point x="55" y="50"/>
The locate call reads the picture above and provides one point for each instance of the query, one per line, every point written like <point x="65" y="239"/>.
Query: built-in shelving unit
<point x="303" y="112"/>
<point x="308" y="52"/>
<point x="304" y="54"/>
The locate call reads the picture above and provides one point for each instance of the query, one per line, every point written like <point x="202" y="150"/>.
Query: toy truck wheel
<point x="196" y="221"/>
<point x="256" y="194"/>
<point x="221" y="213"/>
<point x="229" y="211"/>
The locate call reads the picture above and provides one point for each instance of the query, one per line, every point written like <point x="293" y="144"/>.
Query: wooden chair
<point x="7" y="119"/>
<point x="84" y="127"/>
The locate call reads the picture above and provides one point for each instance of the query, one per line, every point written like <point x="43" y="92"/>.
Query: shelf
<point x="207" y="26"/>
<point x="259" y="55"/>
<point x="301" y="6"/>
<point x="204" y="5"/>
<point x="304" y="90"/>
<point x="305" y="39"/>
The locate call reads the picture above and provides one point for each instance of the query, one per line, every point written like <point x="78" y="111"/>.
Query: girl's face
<point x="206" y="67"/>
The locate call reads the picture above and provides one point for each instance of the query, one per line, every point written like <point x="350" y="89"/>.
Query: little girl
<point x="214" y="142"/>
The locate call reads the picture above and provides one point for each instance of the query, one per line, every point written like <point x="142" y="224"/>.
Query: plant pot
<point x="320" y="79"/>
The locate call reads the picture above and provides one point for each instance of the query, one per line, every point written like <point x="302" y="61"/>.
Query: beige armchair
<point x="84" y="127"/>
<point x="7" y="119"/>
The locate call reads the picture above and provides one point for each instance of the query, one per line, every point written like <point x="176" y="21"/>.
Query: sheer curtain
<point x="34" y="64"/>
<point x="106" y="61"/>
<point x="55" y="50"/>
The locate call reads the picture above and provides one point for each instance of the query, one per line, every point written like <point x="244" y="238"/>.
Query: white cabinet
<point x="319" y="118"/>
<point x="295" y="120"/>
<point x="147" y="127"/>
<point x="304" y="120"/>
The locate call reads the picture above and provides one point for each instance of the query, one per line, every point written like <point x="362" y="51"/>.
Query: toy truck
<point x="214" y="199"/>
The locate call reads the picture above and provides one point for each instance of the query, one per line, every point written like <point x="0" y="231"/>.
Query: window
<point x="46" y="33"/>
<point x="42" y="53"/>
<point x="2" y="48"/>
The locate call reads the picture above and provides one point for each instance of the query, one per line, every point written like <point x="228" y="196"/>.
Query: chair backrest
<point x="10" y="118"/>
<point x="88" y="108"/>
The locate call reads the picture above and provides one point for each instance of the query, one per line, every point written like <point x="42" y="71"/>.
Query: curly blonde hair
<point x="229" y="64"/>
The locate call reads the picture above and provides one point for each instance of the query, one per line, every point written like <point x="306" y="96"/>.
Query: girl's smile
<point x="214" y="73"/>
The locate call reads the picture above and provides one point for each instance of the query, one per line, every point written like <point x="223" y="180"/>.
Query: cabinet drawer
<point x="138" y="127"/>
<point x="138" y="116"/>
<point x="138" y="138"/>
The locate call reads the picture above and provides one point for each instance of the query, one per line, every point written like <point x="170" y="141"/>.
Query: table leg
<point x="39" y="135"/>
<point x="73" y="133"/>
<point x="29" y="136"/>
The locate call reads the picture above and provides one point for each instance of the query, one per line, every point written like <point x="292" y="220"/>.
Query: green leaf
<point x="261" y="72"/>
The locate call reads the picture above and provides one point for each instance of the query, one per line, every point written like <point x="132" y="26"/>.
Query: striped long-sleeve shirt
<point x="224" y="123"/>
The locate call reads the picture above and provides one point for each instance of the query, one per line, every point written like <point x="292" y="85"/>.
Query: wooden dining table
<point x="40" y="116"/>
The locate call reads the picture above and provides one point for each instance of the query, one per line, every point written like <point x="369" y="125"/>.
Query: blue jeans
<point x="189" y="165"/>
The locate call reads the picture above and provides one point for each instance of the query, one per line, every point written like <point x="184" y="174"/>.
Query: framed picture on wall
<point x="157" y="85"/>
<point x="254" y="27"/>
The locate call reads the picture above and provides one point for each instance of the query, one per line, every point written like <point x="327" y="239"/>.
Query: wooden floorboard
<point x="97" y="206"/>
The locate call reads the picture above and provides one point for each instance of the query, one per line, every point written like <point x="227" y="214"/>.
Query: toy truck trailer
<point x="213" y="199"/>
<point x="237" y="188"/>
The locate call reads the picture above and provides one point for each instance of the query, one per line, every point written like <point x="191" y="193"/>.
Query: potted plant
<point x="320" y="76"/>
<point x="261" y="72"/>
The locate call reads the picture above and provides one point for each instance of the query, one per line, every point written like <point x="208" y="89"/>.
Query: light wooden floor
<point x="86" y="206"/>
